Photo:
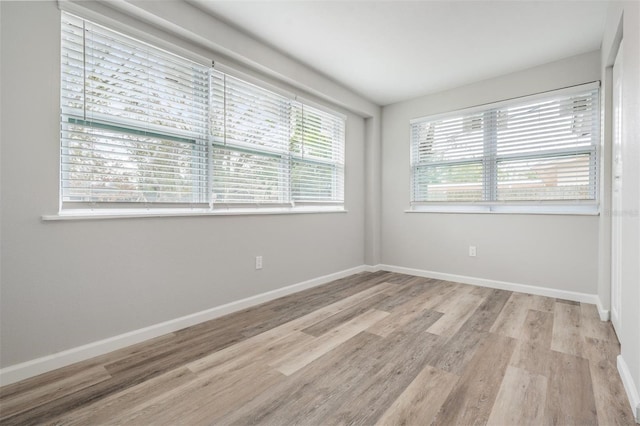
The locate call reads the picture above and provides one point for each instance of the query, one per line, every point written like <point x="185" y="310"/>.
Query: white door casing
<point x="616" y="195"/>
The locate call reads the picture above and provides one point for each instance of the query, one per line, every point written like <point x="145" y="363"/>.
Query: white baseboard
<point x="372" y="268"/>
<point x="47" y="363"/>
<point x="502" y="285"/>
<point x="605" y="314"/>
<point x="629" y="386"/>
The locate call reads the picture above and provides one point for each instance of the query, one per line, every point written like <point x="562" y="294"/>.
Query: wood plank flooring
<point x="374" y="348"/>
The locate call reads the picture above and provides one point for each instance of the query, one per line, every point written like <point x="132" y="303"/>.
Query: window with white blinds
<point x="133" y="122"/>
<point x="317" y="173"/>
<point x="540" y="150"/>
<point x="140" y="125"/>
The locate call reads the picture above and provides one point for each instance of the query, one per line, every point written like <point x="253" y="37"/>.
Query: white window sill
<point x="576" y="210"/>
<point x="87" y="214"/>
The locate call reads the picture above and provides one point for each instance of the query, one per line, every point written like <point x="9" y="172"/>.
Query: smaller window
<point x="531" y="154"/>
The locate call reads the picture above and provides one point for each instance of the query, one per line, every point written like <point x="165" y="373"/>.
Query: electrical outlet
<point x="472" y="251"/>
<point x="258" y="262"/>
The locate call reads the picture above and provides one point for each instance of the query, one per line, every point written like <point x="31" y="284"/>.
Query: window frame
<point x="491" y="160"/>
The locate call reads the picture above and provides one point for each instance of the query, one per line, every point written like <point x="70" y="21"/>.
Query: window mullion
<point x="289" y="177"/>
<point x="287" y="164"/>
<point x="209" y="142"/>
<point x="490" y="178"/>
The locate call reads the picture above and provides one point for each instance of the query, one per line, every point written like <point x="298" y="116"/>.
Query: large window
<point x="537" y="153"/>
<point x="142" y="127"/>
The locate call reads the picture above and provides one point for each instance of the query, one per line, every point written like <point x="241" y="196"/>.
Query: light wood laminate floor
<point x="373" y="348"/>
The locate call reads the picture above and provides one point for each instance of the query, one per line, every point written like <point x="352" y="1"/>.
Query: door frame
<point x="616" y="196"/>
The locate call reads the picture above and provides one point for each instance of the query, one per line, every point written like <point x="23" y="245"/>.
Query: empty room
<point x="317" y="212"/>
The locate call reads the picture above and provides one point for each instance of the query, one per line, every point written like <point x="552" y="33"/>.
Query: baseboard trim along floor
<point x="503" y="285"/>
<point x="47" y="363"/>
<point x="629" y="387"/>
<point x="370" y="348"/>
<point x="51" y="362"/>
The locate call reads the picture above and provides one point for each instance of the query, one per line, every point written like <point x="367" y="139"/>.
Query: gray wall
<point x="556" y="251"/>
<point x="64" y="284"/>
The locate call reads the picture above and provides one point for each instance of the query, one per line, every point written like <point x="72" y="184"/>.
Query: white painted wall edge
<point x="502" y="285"/>
<point x="629" y="386"/>
<point x="47" y="363"/>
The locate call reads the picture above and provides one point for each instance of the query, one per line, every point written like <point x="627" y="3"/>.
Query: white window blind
<point x="140" y="125"/>
<point x="529" y="150"/>
<point x="251" y="162"/>
<point x="317" y="151"/>
<point x="134" y="120"/>
<point x="274" y="150"/>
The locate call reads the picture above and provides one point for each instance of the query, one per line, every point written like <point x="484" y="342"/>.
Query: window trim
<point x="551" y="207"/>
<point x="139" y="213"/>
<point x="573" y="208"/>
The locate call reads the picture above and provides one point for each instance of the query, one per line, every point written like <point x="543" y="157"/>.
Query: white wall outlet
<point x="258" y="262"/>
<point x="472" y="251"/>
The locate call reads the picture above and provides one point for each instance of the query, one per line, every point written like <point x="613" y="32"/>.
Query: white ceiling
<point x="389" y="51"/>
